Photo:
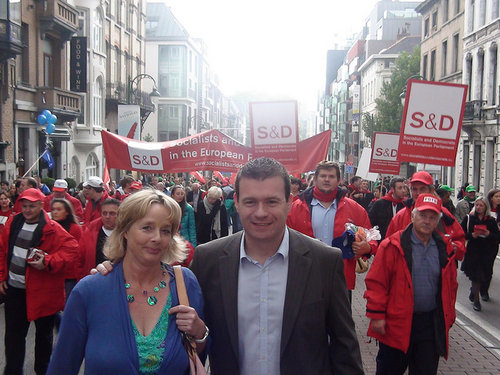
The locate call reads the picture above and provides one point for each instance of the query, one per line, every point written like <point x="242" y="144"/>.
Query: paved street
<point x="474" y="339"/>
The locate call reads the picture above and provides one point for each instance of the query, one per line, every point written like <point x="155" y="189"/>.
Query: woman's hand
<point x="188" y="321"/>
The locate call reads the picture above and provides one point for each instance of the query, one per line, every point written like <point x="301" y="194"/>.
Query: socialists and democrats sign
<point x="432" y="121"/>
<point x="210" y="151"/>
<point x="385" y="153"/>
<point x="274" y="130"/>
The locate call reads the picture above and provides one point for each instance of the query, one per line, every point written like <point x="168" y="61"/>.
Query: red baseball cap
<point x="32" y="195"/>
<point x="423" y="177"/>
<point x="428" y="202"/>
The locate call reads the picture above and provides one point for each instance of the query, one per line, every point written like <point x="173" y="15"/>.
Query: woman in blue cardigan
<point x="129" y="322"/>
<point x="188" y="224"/>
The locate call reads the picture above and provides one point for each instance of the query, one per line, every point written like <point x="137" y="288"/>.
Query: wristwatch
<point x="204" y="338"/>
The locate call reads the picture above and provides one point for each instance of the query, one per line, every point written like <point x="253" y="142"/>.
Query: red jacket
<point x="389" y="290"/>
<point x="77" y="205"/>
<point x="90" y="213"/>
<point x="447" y="225"/>
<point x="44" y="288"/>
<point x="72" y="271"/>
<point x="348" y="211"/>
<point x="88" y="245"/>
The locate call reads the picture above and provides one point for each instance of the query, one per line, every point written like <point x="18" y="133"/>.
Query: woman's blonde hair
<point x="134" y="208"/>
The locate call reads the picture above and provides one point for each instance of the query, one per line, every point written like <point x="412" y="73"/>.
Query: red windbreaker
<point x="90" y="213"/>
<point x="348" y="211"/>
<point x="44" y="288"/>
<point x="88" y="245"/>
<point x="389" y="291"/>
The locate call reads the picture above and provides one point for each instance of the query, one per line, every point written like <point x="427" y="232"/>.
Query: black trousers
<point x="422" y="357"/>
<point x="16" y="329"/>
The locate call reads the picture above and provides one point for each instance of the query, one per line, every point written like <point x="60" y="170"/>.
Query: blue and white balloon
<point x="41" y="119"/>
<point x="50" y="128"/>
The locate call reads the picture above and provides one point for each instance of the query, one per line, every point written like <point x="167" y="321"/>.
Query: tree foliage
<point x="389" y="107"/>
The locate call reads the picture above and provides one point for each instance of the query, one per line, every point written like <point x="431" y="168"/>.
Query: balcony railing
<point x="57" y="16"/>
<point x="65" y="104"/>
<point x="473" y="109"/>
<point x="116" y="91"/>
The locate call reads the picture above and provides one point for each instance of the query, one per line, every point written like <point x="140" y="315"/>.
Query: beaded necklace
<point x="151" y="300"/>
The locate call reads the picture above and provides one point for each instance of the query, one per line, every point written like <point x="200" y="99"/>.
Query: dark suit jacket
<point x="318" y="335"/>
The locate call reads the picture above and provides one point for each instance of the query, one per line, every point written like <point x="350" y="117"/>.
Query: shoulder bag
<point x="195" y="365"/>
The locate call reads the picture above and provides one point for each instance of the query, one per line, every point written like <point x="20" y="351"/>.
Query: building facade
<point x="479" y="161"/>
<point x="442" y="54"/>
<point x="39" y="80"/>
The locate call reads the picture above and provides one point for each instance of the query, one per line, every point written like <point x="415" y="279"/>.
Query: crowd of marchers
<point x="269" y="289"/>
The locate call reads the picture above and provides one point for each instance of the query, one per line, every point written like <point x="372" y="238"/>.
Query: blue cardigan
<point x="188" y="225"/>
<point x="96" y="325"/>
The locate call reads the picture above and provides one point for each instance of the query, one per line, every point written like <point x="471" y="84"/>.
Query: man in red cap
<point x="60" y="191"/>
<point x="448" y="227"/>
<point x="411" y="290"/>
<point x="34" y="251"/>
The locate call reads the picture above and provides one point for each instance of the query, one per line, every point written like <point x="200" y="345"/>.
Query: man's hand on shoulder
<point x="103" y="268"/>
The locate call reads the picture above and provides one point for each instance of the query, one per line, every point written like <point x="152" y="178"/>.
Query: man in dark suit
<point x="276" y="300"/>
<point x="194" y="195"/>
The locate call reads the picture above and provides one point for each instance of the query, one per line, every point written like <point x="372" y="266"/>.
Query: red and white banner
<point x="211" y="150"/>
<point x="274" y="130"/>
<point x="432" y="121"/>
<point x="385" y="153"/>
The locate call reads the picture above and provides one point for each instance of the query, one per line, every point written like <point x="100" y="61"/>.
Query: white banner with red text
<point x="211" y="150"/>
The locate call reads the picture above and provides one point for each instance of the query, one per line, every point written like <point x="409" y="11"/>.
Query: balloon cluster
<point x="47" y="118"/>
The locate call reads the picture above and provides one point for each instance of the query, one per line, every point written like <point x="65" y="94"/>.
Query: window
<point x="456" y="41"/>
<point x="173" y="112"/>
<point x="432" y="73"/>
<point x="128" y="15"/>
<point x="98" y="31"/>
<point x="446" y="9"/>
<point x="494" y="7"/>
<point x="457" y="6"/>
<point x="426" y="27"/>
<point x="22" y="60"/>
<point x="98" y="103"/>
<point x="125" y="66"/>
<point x="471" y="16"/>
<point x="434" y="20"/>
<point x="493" y="74"/>
<point x="118" y="8"/>
<point x="48" y="63"/>
<point x="81" y="119"/>
<point x="116" y="66"/>
<point x="91" y="166"/>
<point x="444" y="57"/>
<point x="424" y="66"/>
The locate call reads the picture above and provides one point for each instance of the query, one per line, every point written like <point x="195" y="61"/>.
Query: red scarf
<point x="324" y="197"/>
<point x="389" y="197"/>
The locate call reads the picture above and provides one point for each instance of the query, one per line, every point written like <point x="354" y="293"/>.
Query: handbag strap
<point x="181" y="286"/>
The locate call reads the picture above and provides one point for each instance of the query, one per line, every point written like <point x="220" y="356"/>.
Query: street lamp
<point x="133" y="87"/>
<point x="402" y="96"/>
